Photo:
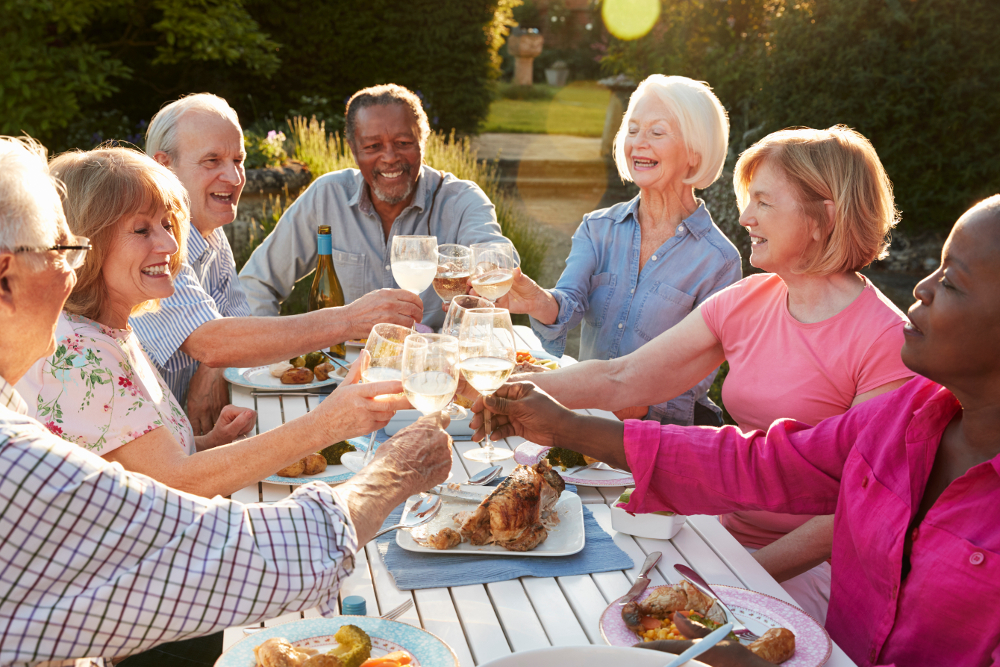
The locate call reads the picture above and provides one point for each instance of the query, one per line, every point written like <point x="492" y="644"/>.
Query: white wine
<point x="326" y="291"/>
<point x="449" y="284"/>
<point x="486" y="374"/>
<point x="493" y="284"/>
<point x="381" y="374"/>
<point x="414" y="275"/>
<point x="430" y="391"/>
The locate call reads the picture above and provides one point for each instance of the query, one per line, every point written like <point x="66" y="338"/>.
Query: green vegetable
<point x="565" y="458"/>
<point x="709" y="623"/>
<point x="298" y="362"/>
<point x="623" y="498"/>
<point x="314" y="359"/>
<point x="353" y="646"/>
<point x="333" y="453"/>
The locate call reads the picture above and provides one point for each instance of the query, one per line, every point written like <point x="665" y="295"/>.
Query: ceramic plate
<point x="259" y="377"/>
<point x="758" y="612"/>
<point x="357" y="342"/>
<point x="586" y="656"/>
<point x="564" y="539"/>
<point x="458" y="427"/>
<point x="317" y="633"/>
<point x="332" y="474"/>
<point x="528" y="453"/>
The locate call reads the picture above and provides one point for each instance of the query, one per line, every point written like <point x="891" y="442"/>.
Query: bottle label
<point x="324" y="244"/>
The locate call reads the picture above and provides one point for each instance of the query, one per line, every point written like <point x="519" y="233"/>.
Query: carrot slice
<point x="389" y="660"/>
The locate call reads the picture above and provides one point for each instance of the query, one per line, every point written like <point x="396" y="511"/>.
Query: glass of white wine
<point x="488" y="352"/>
<point x="430" y="371"/>
<point x="414" y="261"/>
<point x="453" y="271"/>
<point x="493" y="267"/>
<point x="385" y="350"/>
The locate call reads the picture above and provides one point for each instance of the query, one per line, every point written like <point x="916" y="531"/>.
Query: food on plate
<point x="394" y="659"/>
<point x="776" y="645"/>
<point x="310" y="465"/>
<point x="624" y="498"/>
<point x="297" y="376"/>
<point x="277" y="369"/>
<point x="333" y="453"/>
<point x="354" y="648"/>
<point x="446" y="538"/>
<point x="513" y="515"/>
<point x="526" y="363"/>
<point x="564" y="458"/>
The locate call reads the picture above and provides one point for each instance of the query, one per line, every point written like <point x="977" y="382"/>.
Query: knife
<point x="642" y="580"/>
<point x="698" y="582"/>
<point x="703" y="644"/>
<point x="443" y="490"/>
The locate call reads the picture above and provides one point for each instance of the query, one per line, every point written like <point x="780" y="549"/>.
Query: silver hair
<point x="701" y="120"/>
<point x="30" y="207"/>
<point x="381" y="96"/>
<point x="162" y="132"/>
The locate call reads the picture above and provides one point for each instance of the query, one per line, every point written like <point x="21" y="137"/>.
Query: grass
<point x="578" y="109"/>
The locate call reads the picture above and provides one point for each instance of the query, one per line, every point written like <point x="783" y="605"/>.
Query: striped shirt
<point x="97" y="561"/>
<point x="205" y="289"/>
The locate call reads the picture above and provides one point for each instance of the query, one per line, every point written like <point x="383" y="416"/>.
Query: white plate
<point x="317" y="633"/>
<point x="564" y="539"/>
<point x="528" y="453"/>
<point x="259" y="377"/>
<point x="758" y="612"/>
<point x="403" y="418"/>
<point x="586" y="656"/>
<point x="332" y="474"/>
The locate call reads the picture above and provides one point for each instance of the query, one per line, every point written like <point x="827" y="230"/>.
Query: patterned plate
<point x="332" y="474"/>
<point x="528" y="453"/>
<point x="758" y="612"/>
<point x="259" y="377"/>
<point x="317" y="633"/>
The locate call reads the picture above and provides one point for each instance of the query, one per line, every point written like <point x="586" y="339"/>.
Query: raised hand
<point x="390" y="306"/>
<point x="522" y="409"/>
<point x="419" y="456"/>
<point x="356" y="409"/>
<point x="525" y="296"/>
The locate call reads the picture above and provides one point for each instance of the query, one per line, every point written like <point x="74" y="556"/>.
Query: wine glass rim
<point x="393" y="327"/>
<point x="486" y="309"/>
<point x="428" y="338"/>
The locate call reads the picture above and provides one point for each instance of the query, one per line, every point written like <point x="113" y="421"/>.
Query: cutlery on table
<point x="705" y="643"/>
<point x="698" y="582"/>
<point x="335" y="361"/>
<point x="484" y="476"/>
<point x="600" y="465"/>
<point x="642" y="581"/>
<point x="417" y="514"/>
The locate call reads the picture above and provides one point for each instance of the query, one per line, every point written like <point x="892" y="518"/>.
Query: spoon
<point x="417" y="514"/>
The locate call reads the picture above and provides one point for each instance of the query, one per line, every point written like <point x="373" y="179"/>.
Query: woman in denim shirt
<point x="637" y="268"/>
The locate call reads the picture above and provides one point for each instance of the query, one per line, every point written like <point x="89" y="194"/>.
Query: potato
<point x="297" y="376"/>
<point x="314" y="463"/>
<point x="324" y="370"/>
<point x="589" y="460"/>
<point x="294" y="470"/>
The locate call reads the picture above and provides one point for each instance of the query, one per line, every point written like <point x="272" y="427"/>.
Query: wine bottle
<point x="326" y="291"/>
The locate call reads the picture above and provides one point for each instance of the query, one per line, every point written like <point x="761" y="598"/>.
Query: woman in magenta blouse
<point x="913" y="475"/>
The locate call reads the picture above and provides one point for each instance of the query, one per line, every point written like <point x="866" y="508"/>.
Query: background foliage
<point x="919" y="78"/>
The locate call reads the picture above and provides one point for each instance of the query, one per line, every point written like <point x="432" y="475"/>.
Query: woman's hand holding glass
<point x="493" y="267"/>
<point x="489" y="352"/>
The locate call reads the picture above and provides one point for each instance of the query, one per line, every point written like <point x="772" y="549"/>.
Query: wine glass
<point x="385" y="350"/>
<point x="414" y="262"/>
<point x="493" y="267"/>
<point x="430" y="371"/>
<point x="488" y="352"/>
<point x="452" y="326"/>
<point x="453" y="271"/>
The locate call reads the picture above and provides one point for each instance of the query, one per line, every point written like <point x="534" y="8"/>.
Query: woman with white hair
<point x="639" y="267"/>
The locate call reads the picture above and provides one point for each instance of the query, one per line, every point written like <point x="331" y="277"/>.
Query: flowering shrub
<point x="265" y="150"/>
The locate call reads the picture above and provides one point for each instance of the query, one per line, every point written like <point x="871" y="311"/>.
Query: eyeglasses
<point x="72" y="254"/>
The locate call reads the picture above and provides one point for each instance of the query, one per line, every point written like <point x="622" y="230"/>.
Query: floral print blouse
<point x="99" y="390"/>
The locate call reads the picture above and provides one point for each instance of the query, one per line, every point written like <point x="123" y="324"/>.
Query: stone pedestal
<point x="525" y="47"/>
<point x="621" y="89"/>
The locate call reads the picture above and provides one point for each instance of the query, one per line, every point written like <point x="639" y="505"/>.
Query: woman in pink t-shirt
<point x="806" y="341"/>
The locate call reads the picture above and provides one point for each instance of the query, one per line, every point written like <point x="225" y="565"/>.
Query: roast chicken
<point x="512" y="515"/>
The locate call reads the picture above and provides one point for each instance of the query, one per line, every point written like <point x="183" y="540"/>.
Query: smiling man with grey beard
<point x="391" y="193"/>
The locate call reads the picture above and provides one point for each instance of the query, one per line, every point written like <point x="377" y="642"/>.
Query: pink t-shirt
<point x="782" y="368"/>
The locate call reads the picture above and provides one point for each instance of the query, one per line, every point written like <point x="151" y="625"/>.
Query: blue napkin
<point x="413" y="570"/>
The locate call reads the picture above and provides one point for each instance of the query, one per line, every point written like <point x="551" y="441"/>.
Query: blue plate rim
<point x="361" y="443"/>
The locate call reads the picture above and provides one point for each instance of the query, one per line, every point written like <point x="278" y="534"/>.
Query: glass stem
<point x="370" y="452"/>
<point x="486" y="420"/>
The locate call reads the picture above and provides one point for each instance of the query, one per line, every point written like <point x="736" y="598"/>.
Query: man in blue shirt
<point x="206" y="325"/>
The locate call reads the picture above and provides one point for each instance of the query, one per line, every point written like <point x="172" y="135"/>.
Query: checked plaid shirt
<point x="97" y="561"/>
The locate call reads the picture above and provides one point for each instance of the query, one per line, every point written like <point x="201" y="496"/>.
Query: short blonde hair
<point x="103" y="187"/>
<point x="839" y="165"/>
<point x="701" y="120"/>
<point x="161" y="135"/>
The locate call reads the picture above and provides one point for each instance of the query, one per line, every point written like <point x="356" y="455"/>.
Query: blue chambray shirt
<point x="623" y="309"/>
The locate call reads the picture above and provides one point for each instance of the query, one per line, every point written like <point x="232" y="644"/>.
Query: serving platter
<point x="259" y="377"/>
<point x="528" y="453"/>
<point x="332" y="475"/>
<point x="759" y="612"/>
<point x="317" y="634"/>
<point x="564" y="539"/>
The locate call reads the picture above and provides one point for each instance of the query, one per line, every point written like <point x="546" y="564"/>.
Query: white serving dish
<point x="458" y="428"/>
<point x="657" y="526"/>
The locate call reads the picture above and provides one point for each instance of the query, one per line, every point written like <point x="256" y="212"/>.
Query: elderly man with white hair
<point x="208" y="320"/>
<point x="639" y="267"/>
<point x="98" y="561"/>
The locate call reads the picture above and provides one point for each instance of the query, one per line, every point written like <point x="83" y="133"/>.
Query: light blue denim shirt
<point x="623" y="309"/>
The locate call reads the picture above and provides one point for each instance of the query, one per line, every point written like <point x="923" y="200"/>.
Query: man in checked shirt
<point x="97" y="561"/>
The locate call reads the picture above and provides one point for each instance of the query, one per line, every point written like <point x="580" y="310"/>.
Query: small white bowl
<point x="658" y="526"/>
<point x="586" y="656"/>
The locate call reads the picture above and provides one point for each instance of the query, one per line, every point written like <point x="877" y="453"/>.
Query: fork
<point x="741" y="631"/>
<point x="390" y="615"/>
<point x="600" y="465"/>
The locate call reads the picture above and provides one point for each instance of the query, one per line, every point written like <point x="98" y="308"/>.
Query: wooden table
<point x="484" y="622"/>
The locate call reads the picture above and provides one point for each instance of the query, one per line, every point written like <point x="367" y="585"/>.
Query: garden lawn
<point x="577" y="109"/>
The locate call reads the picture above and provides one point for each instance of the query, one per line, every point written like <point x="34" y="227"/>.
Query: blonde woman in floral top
<point x="100" y="391"/>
